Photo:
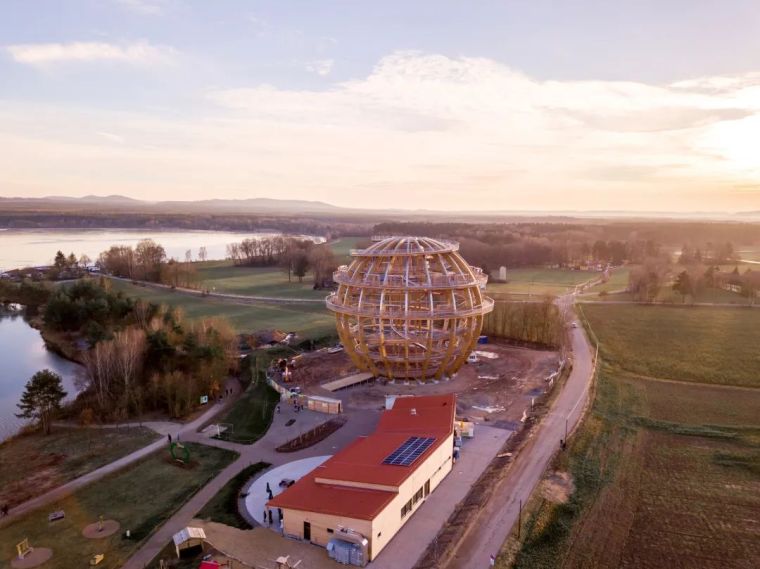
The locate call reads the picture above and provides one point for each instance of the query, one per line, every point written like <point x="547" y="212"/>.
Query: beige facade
<point x="319" y="528"/>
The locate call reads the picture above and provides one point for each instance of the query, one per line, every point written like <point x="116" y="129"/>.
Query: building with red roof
<point x="371" y="487"/>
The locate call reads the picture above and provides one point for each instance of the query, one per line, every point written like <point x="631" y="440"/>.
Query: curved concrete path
<point x="257" y="492"/>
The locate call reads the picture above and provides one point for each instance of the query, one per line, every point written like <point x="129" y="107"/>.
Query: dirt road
<point x="495" y="522"/>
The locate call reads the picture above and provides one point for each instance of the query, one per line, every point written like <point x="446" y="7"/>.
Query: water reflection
<point x="22" y="354"/>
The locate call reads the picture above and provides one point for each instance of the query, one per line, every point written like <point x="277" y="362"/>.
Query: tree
<point x="683" y="285"/>
<point x="42" y="398"/>
<point x="300" y="265"/>
<point x="60" y="261"/>
<point x="71" y="261"/>
<point x="84" y="260"/>
<point x="202" y="253"/>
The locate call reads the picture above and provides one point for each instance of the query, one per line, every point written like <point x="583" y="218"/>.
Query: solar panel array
<point x="409" y="451"/>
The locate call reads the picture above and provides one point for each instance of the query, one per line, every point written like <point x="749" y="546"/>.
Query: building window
<point x="406" y="509"/>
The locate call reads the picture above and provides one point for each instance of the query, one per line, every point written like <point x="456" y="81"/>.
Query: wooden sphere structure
<point x="409" y="308"/>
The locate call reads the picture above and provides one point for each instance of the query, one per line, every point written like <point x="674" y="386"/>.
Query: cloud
<point x="144" y="7"/>
<point x="419" y="131"/>
<point x="139" y="53"/>
<point x="321" y="67"/>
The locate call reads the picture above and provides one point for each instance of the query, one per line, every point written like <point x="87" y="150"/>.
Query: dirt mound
<point x="558" y="487"/>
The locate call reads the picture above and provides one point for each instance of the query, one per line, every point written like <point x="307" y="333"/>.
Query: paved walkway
<point x="495" y="522"/>
<point x="186" y="432"/>
<point x="360" y="422"/>
<point x="408" y="544"/>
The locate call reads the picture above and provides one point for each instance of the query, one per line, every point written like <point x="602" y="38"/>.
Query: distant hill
<point x="123" y="203"/>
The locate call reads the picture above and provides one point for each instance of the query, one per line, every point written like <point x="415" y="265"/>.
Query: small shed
<point x="324" y="404"/>
<point x="188" y="539"/>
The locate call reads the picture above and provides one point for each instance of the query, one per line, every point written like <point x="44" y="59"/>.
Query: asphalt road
<point x="496" y="520"/>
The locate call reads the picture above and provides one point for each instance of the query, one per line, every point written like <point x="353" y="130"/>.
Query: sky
<point x="448" y="105"/>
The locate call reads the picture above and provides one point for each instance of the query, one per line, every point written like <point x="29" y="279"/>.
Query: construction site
<point x="496" y="386"/>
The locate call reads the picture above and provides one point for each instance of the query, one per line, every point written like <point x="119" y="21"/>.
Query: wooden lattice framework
<point x="409" y="307"/>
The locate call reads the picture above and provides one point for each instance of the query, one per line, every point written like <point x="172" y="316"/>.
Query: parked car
<point x="472" y="359"/>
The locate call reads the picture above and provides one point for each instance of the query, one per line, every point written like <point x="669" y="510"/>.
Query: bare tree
<point x="202" y="253"/>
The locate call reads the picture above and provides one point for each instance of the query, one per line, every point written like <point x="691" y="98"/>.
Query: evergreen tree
<point x="41" y="398"/>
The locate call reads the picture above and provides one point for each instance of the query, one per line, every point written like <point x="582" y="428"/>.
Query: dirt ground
<point x="260" y="547"/>
<point x="497" y="389"/>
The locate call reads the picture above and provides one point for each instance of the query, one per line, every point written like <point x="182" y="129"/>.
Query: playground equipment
<point x="179" y="452"/>
<point x="23" y="548"/>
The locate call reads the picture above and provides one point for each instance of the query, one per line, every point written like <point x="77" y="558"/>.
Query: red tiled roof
<point x="362" y="461"/>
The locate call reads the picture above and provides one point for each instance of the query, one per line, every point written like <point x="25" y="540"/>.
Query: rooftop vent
<point x="414" y="411"/>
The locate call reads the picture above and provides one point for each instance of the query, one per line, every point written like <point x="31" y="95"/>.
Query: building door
<point x="307" y="531"/>
<point x="427" y="488"/>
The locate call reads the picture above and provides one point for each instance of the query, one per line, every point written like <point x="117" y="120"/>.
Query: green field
<point x="31" y="464"/>
<point x="252" y="413"/>
<point x="702" y="344"/>
<point x="666" y="473"/>
<point x="224" y="277"/>
<point x="308" y="320"/>
<point x="540" y="281"/>
<point x="343" y="245"/>
<point x="140" y="497"/>
<point x="618" y="281"/>
<point x="669" y="296"/>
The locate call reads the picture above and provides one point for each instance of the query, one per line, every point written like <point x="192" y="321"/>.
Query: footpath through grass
<point x="140" y="497"/>
<point x="665" y="474"/>
<point x="31" y="464"/>
<point x="223" y="507"/>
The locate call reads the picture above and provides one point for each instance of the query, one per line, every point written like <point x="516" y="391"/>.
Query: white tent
<point x="187" y="538"/>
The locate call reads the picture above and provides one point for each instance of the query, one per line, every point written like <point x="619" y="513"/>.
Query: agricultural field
<point x="540" y="281"/>
<point x="665" y="473"/>
<point x="308" y="320"/>
<point x="667" y="295"/>
<point x="163" y="488"/>
<point x="701" y="344"/>
<point x="51" y="460"/>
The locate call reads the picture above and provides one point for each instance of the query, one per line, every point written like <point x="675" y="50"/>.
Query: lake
<point x="35" y="247"/>
<point x="23" y="353"/>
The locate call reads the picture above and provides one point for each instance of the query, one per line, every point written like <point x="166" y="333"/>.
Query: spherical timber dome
<point x="409" y="307"/>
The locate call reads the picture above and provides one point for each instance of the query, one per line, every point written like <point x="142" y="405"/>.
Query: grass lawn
<point x="308" y="320"/>
<point x="252" y="413"/>
<point x="32" y="464"/>
<point x="666" y="474"/>
<point x="618" y="281"/>
<point x="343" y="245"/>
<point x="224" y="277"/>
<point x="223" y="507"/>
<point x="541" y="281"/>
<point x="140" y="497"/>
<point x="702" y="344"/>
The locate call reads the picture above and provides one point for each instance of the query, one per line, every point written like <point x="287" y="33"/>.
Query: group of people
<point x="267" y="519"/>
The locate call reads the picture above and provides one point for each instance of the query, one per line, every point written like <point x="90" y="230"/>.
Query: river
<point x="35" y="247"/>
<point x="23" y="353"/>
